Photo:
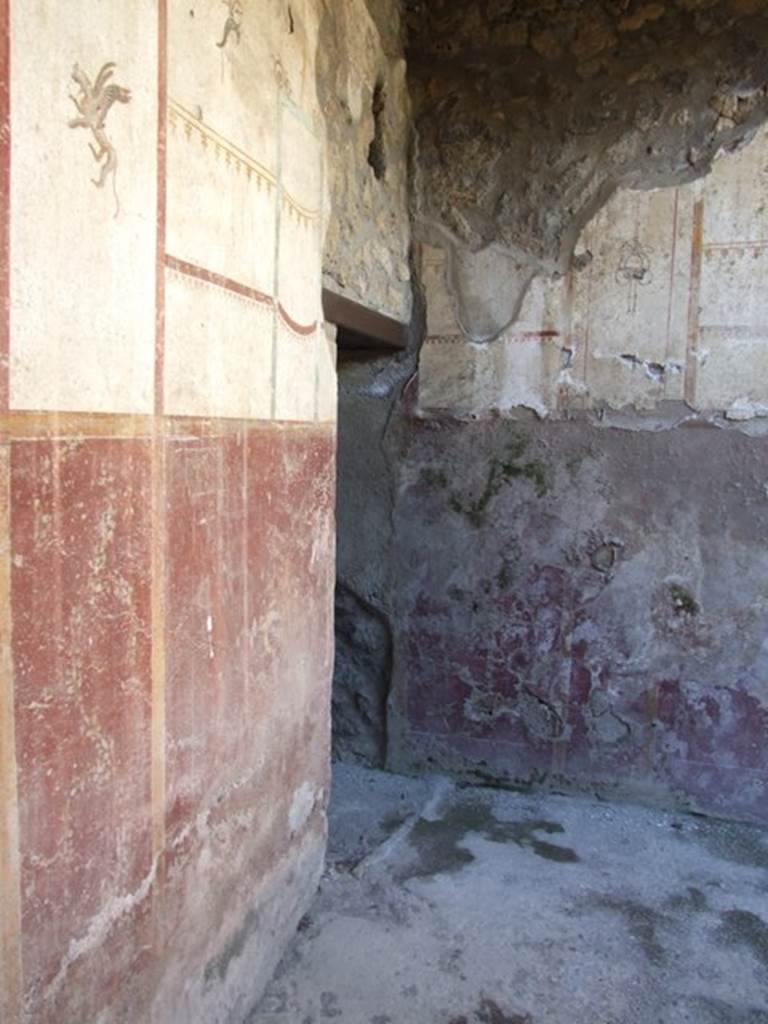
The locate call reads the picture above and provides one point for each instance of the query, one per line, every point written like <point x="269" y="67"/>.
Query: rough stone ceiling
<point x="530" y="113"/>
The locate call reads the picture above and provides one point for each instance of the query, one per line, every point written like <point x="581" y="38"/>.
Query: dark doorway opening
<point x="368" y="343"/>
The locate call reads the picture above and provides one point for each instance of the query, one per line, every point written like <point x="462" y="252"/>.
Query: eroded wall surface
<point x="530" y="114"/>
<point x="581" y="515"/>
<point x="663" y="305"/>
<point x="167" y="436"/>
<point x="363" y="89"/>
<point x="585" y="608"/>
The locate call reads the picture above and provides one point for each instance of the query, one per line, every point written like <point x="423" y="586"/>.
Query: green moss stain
<point x="683" y="600"/>
<point x="502" y="471"/>
<point x="489" y="1012"/>
<point x="431" y="477"/>
<point x="510" y="565"/>
<point x="505" y="576"/>
<point x="735" y="842"/>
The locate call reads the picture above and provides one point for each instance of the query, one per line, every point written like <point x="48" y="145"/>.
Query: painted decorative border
<point x="238" y="159"/>
<point x="5" y="199"/>
<point x="736" y="248"/>
<point x="293" y="325"/>
<point x="238" y="288"/>
<point x="459" y="339"/>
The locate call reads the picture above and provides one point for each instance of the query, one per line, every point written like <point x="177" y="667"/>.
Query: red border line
<point x="517" y="336"/>
<point x="210" y="277"/>
<point x="691" y="353"/>
<point x="237" y="288"/>
<point x="294" y="326"/>
<point x="162" y="202"/>
<point x="755" y="244"/>
<point x="672" y="269"/>
<point x="5" y="202"/>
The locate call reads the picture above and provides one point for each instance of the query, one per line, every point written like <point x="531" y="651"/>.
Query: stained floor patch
<point x="489" y="1012"/>
<point x="717" y="1011"/>
<point x="643" y="928"/>
<point x="735" y="842"/>
<point x="643" y="924"/>
<point x="438" y="842"/>
<point x="692" y="901"/>
<point x="743" y="928"/>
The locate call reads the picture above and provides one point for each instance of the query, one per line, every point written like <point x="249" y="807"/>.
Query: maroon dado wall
<point x="585" y="607"/>
<point x="246" y="650"/>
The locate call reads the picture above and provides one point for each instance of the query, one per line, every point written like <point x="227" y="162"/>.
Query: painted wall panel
<point x="207" y="711"/>
<point x="632" y="299"/>
<point x="235" y="238"/>
<point x="82" y="205"/>
<point x="300" y="253"/>
<point x="81" y="646"/>
<point x="296" y="372"/>
<point x="167" y="556"/>
<point x="219" y="338"/>
<point x="327" y="397"/>
<point x="291" y="484"/>
<point x="584" y="608"/>
<point x="246" y="797"/>
<point x="664" y="303"/>
<point x="221" y="68"/>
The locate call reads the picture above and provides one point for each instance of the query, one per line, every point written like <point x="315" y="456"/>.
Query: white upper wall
<point x="669" y="305"/>
<point x="168" y="238"/>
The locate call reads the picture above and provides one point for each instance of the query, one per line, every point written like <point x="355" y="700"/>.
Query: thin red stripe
<point x="211" y="277"/>
<point x="162" y="203"/>
<point x="294" y="326"/>
<point x="237" y="288"/>
<point x="5" y="201"/>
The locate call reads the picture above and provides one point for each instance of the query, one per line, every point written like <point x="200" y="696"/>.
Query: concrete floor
<point x="447" y="905"/>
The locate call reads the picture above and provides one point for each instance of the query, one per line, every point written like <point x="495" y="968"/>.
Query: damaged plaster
<point x="363" y="90"/>
<point x="605" y="634"/>
<point x="666" y="306"/>
<point x="529" y="116"/>
<point x="566" y="557"/>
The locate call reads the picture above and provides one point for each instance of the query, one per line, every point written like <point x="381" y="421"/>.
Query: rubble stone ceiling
<point x="530" y="113"/>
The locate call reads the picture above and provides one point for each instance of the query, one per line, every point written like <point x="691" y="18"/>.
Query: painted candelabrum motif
<point x="94" y="102"/>
<point x="234" y="22"/>
<point x="634" y="270"/>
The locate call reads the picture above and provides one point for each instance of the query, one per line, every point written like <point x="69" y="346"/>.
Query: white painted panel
<point x="632" y="299"/>
<point x="652" y="314"/>
<point x="231" y="87"/>
<point x="327" y="397"/>
<point x="296" y="373"/>
<point x="300" y="243"/>
<point x="441" y="316"/>
<point x="448" y="376"/>
<point x="83" y="257"/>
<point x="222" y="203"/>
<point x="218" y="351"/>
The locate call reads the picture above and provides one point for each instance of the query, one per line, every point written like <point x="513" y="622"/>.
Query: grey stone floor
<point x="448" y="905"/>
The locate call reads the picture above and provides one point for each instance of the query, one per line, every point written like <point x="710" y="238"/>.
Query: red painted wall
<point x="247" y="542"/>
<point x="166" y="580"/>
<point x="248" y="526"/>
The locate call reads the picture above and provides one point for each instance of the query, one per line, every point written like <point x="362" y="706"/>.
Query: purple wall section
<point x="585" y="608"/>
